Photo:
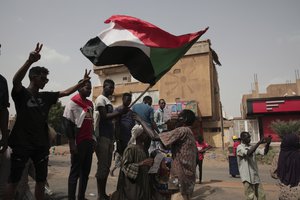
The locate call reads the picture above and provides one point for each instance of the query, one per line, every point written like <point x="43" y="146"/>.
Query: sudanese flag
<point x="146" y="50"/>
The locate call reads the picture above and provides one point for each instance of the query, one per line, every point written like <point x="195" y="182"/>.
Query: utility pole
<point x="222" y="125"/>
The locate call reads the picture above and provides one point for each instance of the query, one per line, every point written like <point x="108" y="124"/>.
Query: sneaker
<point x="48" y="191"/>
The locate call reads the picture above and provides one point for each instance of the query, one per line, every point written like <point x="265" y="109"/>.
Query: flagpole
<point x="150" y="86"/>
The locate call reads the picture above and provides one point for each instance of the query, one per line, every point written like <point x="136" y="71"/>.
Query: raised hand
<point x="86" y="75"/>
<point x="35" y="55"/>
<point x="268" y="139"/>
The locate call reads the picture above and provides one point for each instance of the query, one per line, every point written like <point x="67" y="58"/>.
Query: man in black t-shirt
<point x="4" y="104"/>
<point x="29" y="136"/>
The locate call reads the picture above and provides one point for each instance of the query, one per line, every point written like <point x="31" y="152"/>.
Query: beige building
<point x="193" y="78"/>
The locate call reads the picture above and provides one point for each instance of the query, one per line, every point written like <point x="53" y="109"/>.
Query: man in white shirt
<point x="105" y="136"/>
<point x="159" y="116"/>
<point x="248" y="165"/>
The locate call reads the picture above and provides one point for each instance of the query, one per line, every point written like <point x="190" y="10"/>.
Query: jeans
<point x="81" y="163"/>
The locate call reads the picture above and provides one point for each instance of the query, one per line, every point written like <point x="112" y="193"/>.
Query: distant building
<point x="280" y="102"/>
<point x="192" y="83"/>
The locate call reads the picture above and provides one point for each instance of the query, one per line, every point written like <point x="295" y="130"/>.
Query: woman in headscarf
<point x="134" y="182"/>
<point x="288" y="168"/>
<point x="184" y="153"/>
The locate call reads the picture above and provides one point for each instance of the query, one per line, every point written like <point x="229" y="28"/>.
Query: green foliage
<point x="55" y="115"/>
<point x="267" y="159"/>
<point x="285" y="127"/>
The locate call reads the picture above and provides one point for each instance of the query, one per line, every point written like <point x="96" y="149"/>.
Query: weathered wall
<point x="189" y="80"/>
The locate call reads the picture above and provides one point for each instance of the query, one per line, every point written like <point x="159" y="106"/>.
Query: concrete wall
<point x="298" y="86"/>
<point x="279" y="90"/>
<point x="215" y="138"/>
<point x="189" y="80"/>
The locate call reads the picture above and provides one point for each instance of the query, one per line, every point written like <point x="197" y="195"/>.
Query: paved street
<point x="218" y="184"/>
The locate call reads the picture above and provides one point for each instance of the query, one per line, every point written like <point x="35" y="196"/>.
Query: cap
<point x="235" y="137"/>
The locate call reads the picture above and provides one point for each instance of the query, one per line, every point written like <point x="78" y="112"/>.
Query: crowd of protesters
<point x="141" y="136"/>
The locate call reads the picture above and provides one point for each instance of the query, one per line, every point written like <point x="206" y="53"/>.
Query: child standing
<point x="202" y="147"/>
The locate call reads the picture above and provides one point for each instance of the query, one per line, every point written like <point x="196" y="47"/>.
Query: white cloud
<point x="51" y="55"/>
<point x="294" y="38"/>
<point x="290" y="38"/>
<point x="20" y="20"/>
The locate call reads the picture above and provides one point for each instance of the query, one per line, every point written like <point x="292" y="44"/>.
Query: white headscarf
<point x="136" y="131"/>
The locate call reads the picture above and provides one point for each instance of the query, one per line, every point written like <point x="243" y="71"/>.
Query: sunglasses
<point x="42" y="78"/>
<point x="45" y="79"/>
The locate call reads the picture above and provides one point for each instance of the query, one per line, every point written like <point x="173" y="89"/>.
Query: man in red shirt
<point x="78" y="118"/>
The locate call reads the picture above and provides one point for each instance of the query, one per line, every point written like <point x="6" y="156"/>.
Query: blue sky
<point x="250" y="37"/>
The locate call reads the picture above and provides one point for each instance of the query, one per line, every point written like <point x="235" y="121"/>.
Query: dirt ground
<point x="217" y="184"/>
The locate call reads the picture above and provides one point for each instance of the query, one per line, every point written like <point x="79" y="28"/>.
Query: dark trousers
<point x="200" y="163"/>
<point x="80" y="169"/>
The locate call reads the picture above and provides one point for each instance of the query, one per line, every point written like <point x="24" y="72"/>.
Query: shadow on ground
<point x="57" y="196"/>
<point x="204" y="190"/>
<point x="212" y="181"/>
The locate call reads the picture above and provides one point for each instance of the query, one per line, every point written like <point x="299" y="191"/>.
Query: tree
<point x="55" y="116"/>
<point x="285" y="127"/>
